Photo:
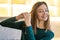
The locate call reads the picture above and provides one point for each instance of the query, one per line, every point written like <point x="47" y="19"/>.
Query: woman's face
<point x="42" y="13"/>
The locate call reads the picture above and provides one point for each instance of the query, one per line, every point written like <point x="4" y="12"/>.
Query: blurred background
<point x="11" y="8"/>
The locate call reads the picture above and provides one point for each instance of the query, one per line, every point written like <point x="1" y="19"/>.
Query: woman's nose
<point x="44" y="12"/>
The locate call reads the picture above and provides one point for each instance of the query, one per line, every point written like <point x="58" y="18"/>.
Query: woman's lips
<point x="43" y="16"/>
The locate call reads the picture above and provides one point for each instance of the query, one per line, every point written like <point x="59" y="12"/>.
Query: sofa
<point x="9" y="33"/>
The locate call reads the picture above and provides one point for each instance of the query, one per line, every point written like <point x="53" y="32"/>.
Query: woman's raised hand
<point x="20" y="16"/>
<point x="26" y="16"/>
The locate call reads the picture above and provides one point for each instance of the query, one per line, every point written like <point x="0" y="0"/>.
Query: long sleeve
<point x="30" y="33"/>
<point x="45" y="38"/>
<point x="49" y="35"/>
<point x="11" y="22"/>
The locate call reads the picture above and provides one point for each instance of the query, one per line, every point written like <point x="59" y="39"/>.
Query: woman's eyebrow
<point x="40" y="9"/>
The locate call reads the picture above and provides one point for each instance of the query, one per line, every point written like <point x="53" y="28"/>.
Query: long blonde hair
<point x="34" y="16"/>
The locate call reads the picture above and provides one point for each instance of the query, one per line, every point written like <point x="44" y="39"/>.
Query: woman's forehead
<point x="43" y="6"/>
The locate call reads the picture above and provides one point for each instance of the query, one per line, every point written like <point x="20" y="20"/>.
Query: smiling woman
<point x="10" y="8"/>
<point x="35" y="26"/>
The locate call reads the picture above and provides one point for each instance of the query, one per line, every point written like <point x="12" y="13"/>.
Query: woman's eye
<point x="40" y="11"/>
<point x="46" y="10"/>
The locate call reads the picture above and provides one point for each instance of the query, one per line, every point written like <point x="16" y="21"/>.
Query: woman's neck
<point x="40" y="24"/>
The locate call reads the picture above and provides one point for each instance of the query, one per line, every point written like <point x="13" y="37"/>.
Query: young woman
<point x="36" y="25"/>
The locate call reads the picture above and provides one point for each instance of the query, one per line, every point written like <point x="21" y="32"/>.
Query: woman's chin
<point x="45" y="20"/>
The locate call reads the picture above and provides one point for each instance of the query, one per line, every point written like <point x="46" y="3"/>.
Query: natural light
<point x="11" y="8"/>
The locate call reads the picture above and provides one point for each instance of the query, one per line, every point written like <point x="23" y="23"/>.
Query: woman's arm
<point x="30" y="33"/>
<point x="11" y="22"/>
<point x="46" y="38"/>
<point x="49" y="35"/>
<point x="29" y="29"/>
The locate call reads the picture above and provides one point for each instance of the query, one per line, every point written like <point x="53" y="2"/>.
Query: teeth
<point x="43" y="17"/>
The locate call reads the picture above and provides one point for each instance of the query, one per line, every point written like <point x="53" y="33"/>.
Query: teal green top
<point x="27" y="32"/>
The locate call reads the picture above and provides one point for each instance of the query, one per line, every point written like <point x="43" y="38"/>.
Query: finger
<point x="25" y="13"/>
